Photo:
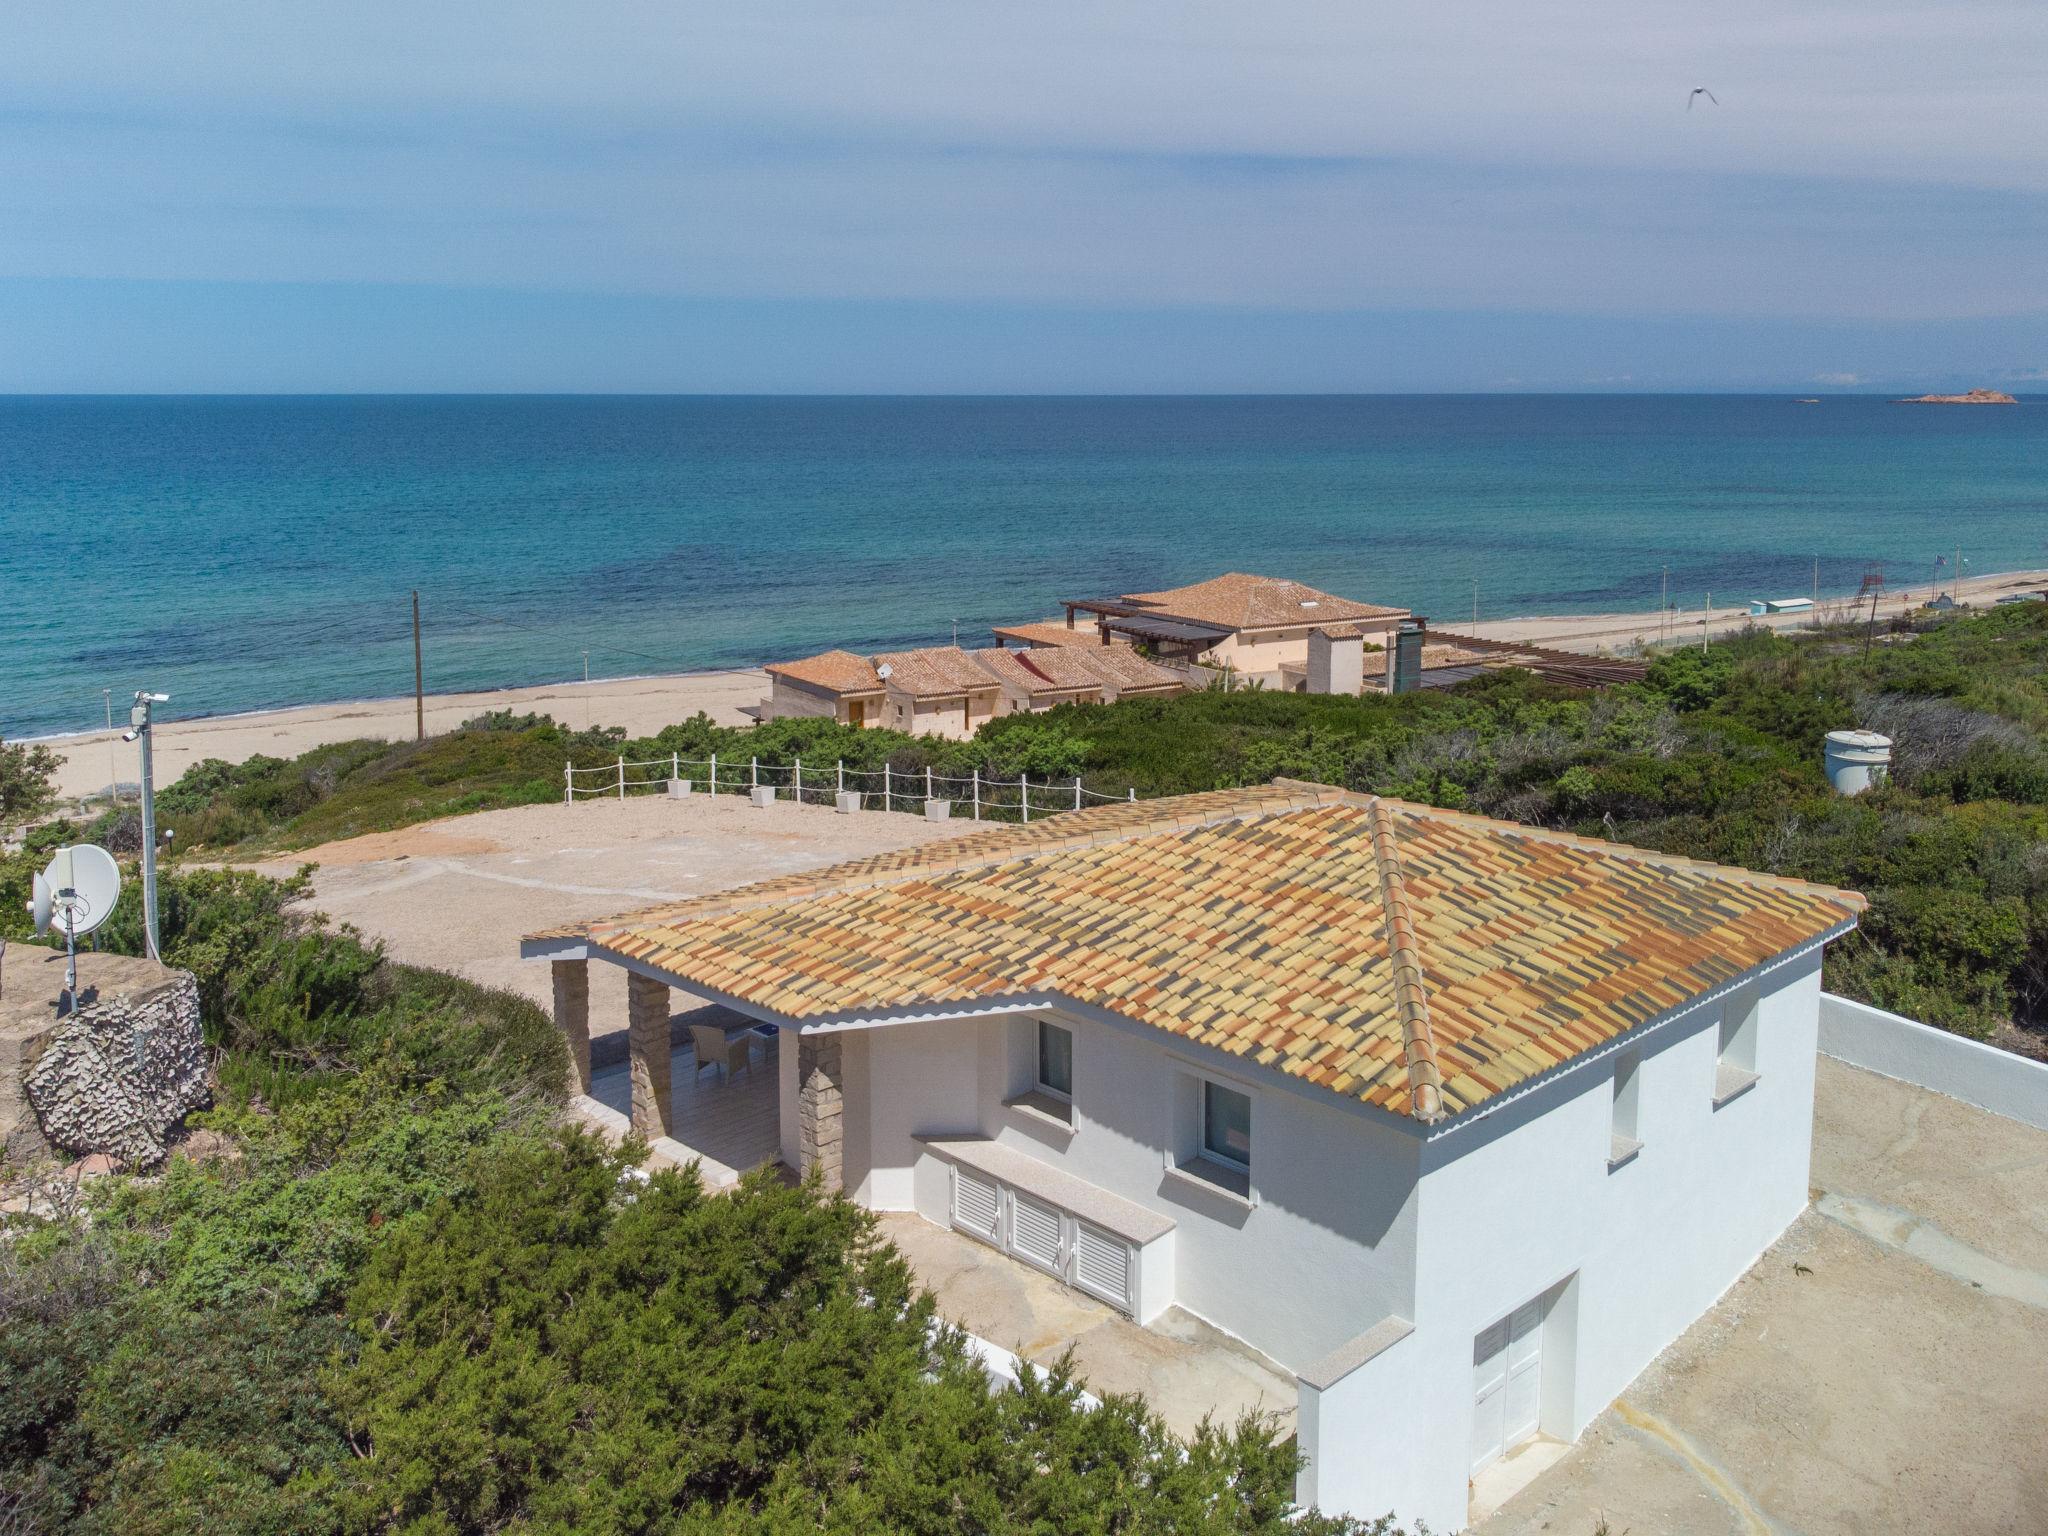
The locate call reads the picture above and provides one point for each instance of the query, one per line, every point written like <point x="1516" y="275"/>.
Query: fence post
<point x="675" y="765"/>
<point x="1077" y="791"/>
<point x="568" y="784"/>
<point x="839" y="781"/>
<point x="885" y="788"/>
<point x="1133" y="794"/>
<point x="799" y="779"/>
<point x="714" y="773"/>
<point x="1024" y="792"/>
<point x="753" y="773"/>
<point x="977" y="791"/>
<point x="927" y="781"/>
<point x="622" y="776"/>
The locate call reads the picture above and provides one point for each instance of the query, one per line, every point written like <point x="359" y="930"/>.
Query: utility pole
<point x="1706" y="617"/>
<point x="1475" y="602"/>
<point x="419" y="676"/>
<point x="139" y="731"/>
<point x="1664" y="608"/>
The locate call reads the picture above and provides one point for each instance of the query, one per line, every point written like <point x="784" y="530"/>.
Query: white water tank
<point x="1856" y="760"/>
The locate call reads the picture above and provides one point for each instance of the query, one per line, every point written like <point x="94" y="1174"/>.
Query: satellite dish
<point x="82" y="884"/>
<point x="39" y="905"/>
<point x="885" y="671"/>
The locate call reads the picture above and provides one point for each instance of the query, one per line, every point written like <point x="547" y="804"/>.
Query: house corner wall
<point x="1522" y="1204"/>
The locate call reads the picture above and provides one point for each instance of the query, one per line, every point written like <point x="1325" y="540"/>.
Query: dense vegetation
<point x="380" y="1290"/>
<point x="1717" y="756"/>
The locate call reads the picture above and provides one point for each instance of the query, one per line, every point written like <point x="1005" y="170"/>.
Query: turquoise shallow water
<point x="243" y="553"/>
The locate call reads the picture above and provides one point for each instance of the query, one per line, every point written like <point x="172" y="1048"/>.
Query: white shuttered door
<point x="1035" y="1232"/>
<point x="976" y="1207"/>
<point x="1102" y="1265"/>
<point x="1507" y="1377"/>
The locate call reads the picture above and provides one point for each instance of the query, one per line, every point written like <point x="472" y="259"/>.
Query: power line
<point x="668" y="662"/>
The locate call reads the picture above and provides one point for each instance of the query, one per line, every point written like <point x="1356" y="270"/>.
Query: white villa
<point x="1458" y="1123"/>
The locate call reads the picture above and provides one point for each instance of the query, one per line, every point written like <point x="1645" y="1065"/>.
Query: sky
<point x="1119" y="195"/>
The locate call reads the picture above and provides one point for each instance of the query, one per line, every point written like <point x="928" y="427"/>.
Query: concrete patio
<point x="1185" y="1368"/>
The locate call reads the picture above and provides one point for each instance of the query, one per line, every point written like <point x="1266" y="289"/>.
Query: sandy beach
<point x="644" y="705"/>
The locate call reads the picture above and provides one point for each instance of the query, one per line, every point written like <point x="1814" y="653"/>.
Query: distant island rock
<point x="1974" y="397"/>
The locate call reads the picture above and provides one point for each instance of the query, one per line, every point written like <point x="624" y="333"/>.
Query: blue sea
<point x="244" y="553"/>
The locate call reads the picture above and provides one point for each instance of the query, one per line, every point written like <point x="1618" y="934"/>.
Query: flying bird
<point x="1701" y="90"/>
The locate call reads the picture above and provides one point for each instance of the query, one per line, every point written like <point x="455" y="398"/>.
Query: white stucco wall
<point x="1913" y="1052"/>
<point x="1522" y="1202"/>
<point x="1327" y="1249"/>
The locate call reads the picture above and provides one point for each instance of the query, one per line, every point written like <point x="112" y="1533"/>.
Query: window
<point x="1055" y="1060"/>
<point x="1735" y="1058"/>
<point x="1226" y="1125"/>
<point x="1623" y="1142"/>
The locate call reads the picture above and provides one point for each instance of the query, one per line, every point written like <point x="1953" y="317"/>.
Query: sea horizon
<point x="247" y="553"/>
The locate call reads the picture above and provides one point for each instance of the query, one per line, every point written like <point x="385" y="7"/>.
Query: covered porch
<point x="699" y="1082"/>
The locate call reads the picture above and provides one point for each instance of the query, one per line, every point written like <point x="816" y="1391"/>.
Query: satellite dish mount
<point x="75" y="894"/>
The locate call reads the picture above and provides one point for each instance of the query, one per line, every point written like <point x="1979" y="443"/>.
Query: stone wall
<point x="119" y="1073"/>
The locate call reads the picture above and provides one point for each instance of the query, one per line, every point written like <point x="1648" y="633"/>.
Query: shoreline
<point x="644" y="703"/>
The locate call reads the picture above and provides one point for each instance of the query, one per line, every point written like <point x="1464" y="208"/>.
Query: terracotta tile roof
<point x="1340" y="631"/>
<point x="1052" y="632"/>
<point x="1238" y="601"/>
<point x="935" y="672"/>
<point x="835" y="671"/>
<point x="1083" y="670"/>
<point x="1122" y="666"/>
<point x="1419" y="960"/>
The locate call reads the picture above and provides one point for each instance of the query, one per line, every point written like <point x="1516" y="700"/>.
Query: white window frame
<point x="1202" y="1148"/>
<point x="1039" y="1084"/>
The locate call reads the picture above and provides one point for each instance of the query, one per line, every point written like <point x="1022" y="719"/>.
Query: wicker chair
<point x="713" y="1049"/>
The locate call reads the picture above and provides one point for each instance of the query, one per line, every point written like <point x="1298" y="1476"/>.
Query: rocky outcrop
<point x="1974" y="397"/>
<point x="118" y="1074"/>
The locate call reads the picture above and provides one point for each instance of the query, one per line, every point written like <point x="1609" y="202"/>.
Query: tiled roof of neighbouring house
<point x="1075" y="669"/>
<point x="935" y="672"/>
<point x="835" y="671"/>
<point x="1050" y="633"/>
<point x="1238" y="601"/>
<point x="1419" y="960"/>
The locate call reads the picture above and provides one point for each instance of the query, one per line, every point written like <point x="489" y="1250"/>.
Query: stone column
<point x="820" y="1108"/>
<point x="572" y="1014"/>
<point x="647" y="1041"/>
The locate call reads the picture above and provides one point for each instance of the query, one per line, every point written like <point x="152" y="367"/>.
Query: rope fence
<point x="885" y="788"/>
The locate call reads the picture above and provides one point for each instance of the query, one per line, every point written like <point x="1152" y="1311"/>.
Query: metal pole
<point x="419" y="676"/>
<point x="1133" y="795"/>
<point x="1024" y="792"/>
<point x="1706" y="614"/>
<point x="714" y="773"/>
<point x="927" y="781"/>
<point x="675" y="765"/>
<point x="1077" y="791"/>
<point x="799" y="780"/>
<point x="977" y="791"/>
<point x="839" y="777"/>
<point x="885" y="788"/>
<point x="139" y="718"/>
<point x="753" y="773"/>
<point x="622" y="776"/>
<point x="568" y="784"/>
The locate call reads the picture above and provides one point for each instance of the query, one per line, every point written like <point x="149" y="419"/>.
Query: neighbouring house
<point x="1256" y="628"/>
<point x="834" y="685"/>
<point x="1458" y="1122"/>
<point x="1041" y="678"/>
<point x="937" y="691"/>
<point x="946" y="691"/>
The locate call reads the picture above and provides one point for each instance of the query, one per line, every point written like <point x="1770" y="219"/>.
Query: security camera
<point x="130" y="735"/>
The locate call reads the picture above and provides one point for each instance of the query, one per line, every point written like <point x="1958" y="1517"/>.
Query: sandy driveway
<point x="1883" y="1368"/>
<point x="457" y="894"/>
